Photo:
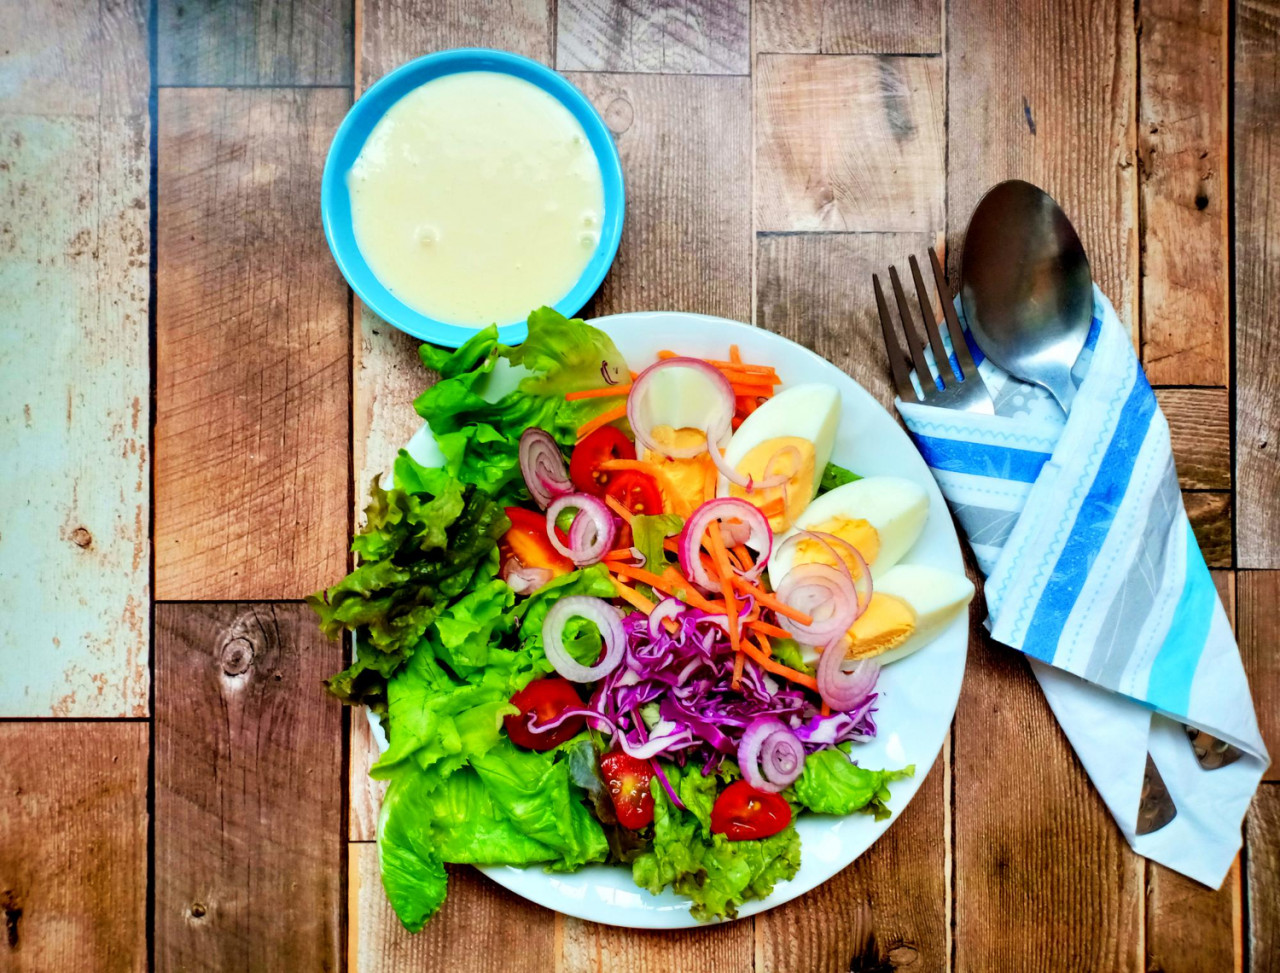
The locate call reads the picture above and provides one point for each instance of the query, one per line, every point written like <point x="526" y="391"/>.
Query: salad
<point x="635" y="617"/>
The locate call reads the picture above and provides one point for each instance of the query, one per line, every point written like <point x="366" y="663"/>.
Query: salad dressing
<point x="476" y="198"/>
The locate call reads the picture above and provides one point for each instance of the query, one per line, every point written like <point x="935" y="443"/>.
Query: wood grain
<point x="1035" y="95"/>
<point x="1182" y="159"/>
<point x="364" y="795"/>
<point x="481" y="928"/>
<point x="1210" y="516"/>
<point x="1044" y="879"/>
<point x="815" y="288"/>
<point x="685" y="143"/>
<point x="1191" y="927"/>
<point x="75" y="396"/>
<point x="849" y="143"/>
<point x="73" y="846"/>
<point x="252" y="358"/>
<point x="1257" y="253"/>
<point x="1200" y="426"/>
<point x="889" y="910"/>
<point x="248" y="801"/>
<point x="390" y="32"/>
<point x="848" y="27"/>
<point x="254" y="42"/>
<point x="586" y="947"/>
<point x="1262" y="838"/>
<point x="1258" y="621"/>
<point x="665" y="37"/>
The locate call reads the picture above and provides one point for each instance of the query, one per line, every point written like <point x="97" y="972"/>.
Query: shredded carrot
<point x="826" y="709"/>
<point x="621" y="554"/>
<point x="603" y="419"/>
<point x="721" y="558"/>
<point x="728" y="365"/>
<point x="618" y="508"/>
<point x="665" y="583"/>
<point x="767" y="628"/>
<point x="602" y="393"/>
<point x="671" y="544"/>
<point x="634" y="376"/>
<point x="751" y="390"/>
<point x="735" y="355"/>
<point x="777" y="668"/>
<point x="639" y="601"/>
<point x="738" y="659"/>
<point x="769" y="601"/>
<point x="765" y="645"/>
<point x="744" y="557"/>
<point x="675" y="580"/>
<point x="658" y="473"/>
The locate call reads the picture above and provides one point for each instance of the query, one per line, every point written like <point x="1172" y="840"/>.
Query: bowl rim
<point x="354" y="131"/>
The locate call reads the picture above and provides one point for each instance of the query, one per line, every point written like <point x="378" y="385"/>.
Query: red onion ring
<point x="605" y="617"/>
<point x="770" y="756"/>
<point x="592" y="533"/>
<point x="667" y="608"/>
<point x="842" y="690"/>
<point x="542" y="465"/>
<point x="752" y="529"/>
<point x="862" y="585"/>
<point x="718" y="422"/>
<point x="524" y="580"/>
<point x="810" y="588"/>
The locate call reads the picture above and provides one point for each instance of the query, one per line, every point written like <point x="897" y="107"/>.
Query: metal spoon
<point x="1025" y="286"/>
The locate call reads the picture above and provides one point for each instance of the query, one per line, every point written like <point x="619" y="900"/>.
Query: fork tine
<point x="897" y="363"/>
<point x="940" y="356"/>
<point x="927" y="383"/>
<point x="958" y="341"/>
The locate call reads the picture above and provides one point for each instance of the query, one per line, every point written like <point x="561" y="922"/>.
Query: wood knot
<point x="237" y="656"/>
<point x="619" y="115"/>
<point x="81" y="538"/>
<point x="12" y="916"/>
<point x="1202" y="201"/>
<point x="197" y="910"/>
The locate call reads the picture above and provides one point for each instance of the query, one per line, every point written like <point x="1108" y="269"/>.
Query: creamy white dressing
<point x="477" y="198"/>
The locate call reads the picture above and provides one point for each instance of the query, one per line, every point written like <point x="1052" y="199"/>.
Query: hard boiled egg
<point x="910" y="606"/>
<point x="881" y="516"/>
<point x="792" y="433"/>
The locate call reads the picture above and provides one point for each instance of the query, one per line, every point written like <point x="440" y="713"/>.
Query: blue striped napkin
<point x="1093" y="571"/>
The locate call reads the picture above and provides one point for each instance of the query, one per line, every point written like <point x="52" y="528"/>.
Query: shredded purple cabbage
<point x="688" y="674"/>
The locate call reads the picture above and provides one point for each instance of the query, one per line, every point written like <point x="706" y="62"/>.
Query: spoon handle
<point x="1058" y="383"/>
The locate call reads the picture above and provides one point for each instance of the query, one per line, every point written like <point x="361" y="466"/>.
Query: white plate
<point x="918" y="693"/>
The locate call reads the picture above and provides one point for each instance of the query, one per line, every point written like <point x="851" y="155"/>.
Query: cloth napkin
<point x="1093" y="571"/>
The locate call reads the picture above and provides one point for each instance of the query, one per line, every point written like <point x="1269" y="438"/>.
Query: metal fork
<point x="961" y="385"/>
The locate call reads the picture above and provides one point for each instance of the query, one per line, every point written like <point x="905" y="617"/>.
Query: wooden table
<point x="193" y="406"/>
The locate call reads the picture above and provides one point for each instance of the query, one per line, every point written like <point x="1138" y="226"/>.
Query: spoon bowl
<point x="1026" y="287"/>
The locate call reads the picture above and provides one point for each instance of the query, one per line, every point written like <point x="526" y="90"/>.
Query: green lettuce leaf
<point x="716" y="874"/>
<point x="480" y="438"/>
<point x="787" y="651"/>
<point x="648" y="532"/>
<point x="833" y="476"/>
<point x="832" y="784"/>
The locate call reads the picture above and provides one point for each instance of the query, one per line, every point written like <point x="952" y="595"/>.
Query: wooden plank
<point x="390" y="32"/>
<point x="848" y="27"/>
<point x="667" y="37"/>
<point x="889" y="910"/>
<point x="1262" y="838"/>
<point x="1182" y="158"/>
<point x="683" y="140"/>
<point x="74" y="258"/>
<point x="587" y="946"/>
<point x="252" y="348"/>
<point x="1257" y="212"/>
<point x="1200" y="426"/>
<point x="815" y="288"/>
<point x="73" y="846"/>
<point x="1258" y="615"/>
<point x="481" y="928"/>
<point x="849" y="143"/>
<point x="1058" y="111"/>
<point x="1210" y="516"/>
<point x="1044" y="879"/>
<point x="254" y="42"/>
<point x="248" y="804"/>
<point x="364" y="794"/>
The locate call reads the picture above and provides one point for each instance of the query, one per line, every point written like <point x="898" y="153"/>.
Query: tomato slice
<point x="606" y="443"/>
<point x="628" y="778"/>
<point x="638" y="492"/>
<point x="546" y="698"/>
<point x="527" y="540"/>
<point x="741" y="813"/>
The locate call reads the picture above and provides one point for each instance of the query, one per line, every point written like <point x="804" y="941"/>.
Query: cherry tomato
<point x="628" y="778"/>
<point x="527" y="540"/>
<point x="741" y="812"/>
<point x="606" y="443"/>
<point x="636" y="491"/>
<point x="546" y="698"/>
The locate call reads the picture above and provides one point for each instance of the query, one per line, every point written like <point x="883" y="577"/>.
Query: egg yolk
<point x="886" y="624"/>
<point x="692" y="477"/>
<point x="858" y="534"/>
<point x="775" y="457"/>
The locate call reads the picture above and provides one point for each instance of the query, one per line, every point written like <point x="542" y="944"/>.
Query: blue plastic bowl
<point x="335" y="201"/>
